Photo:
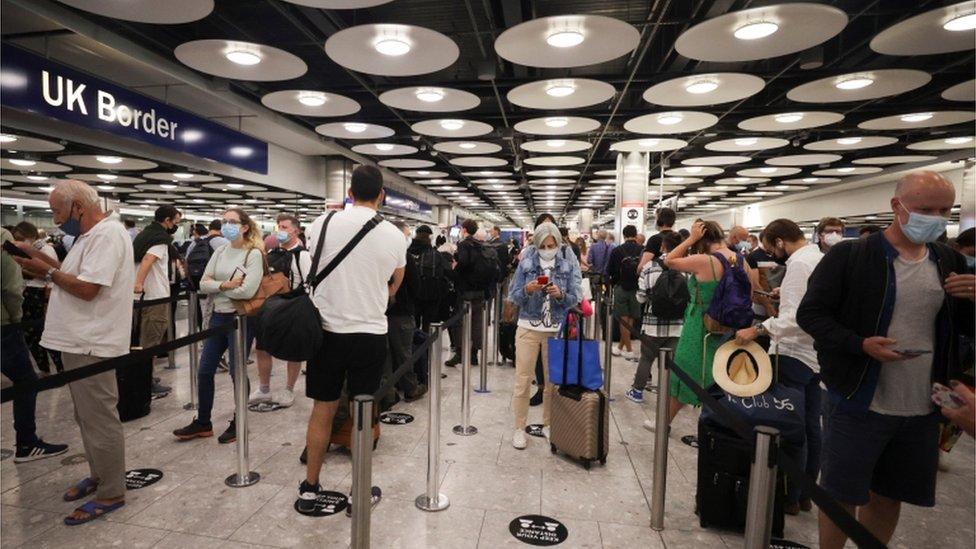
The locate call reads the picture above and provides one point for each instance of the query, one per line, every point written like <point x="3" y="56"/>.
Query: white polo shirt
<point x="100" y="327"/>
<point x="354" y="297"/>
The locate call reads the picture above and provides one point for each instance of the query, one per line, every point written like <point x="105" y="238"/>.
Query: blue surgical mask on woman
<point x="282" y="237"/>
<point x="922" y="228"/>
<point x="230" y="231"/>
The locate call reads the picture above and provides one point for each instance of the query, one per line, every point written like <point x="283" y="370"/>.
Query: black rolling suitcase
<point x="724" y="461"/>
<point x="135" y="380"/>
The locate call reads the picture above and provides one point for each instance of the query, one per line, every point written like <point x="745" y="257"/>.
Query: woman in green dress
<point x="694" y="355"/>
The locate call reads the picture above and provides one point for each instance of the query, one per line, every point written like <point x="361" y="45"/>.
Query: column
<point x="443" y="214"/>
<point x="586" y="222"/>
<point x="338" y="174"/>
<point x="967" y="200"/>
<point x="631" y="191"/>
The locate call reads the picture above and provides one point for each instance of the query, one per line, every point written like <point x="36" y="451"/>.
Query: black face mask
<point x="172" y="230"/>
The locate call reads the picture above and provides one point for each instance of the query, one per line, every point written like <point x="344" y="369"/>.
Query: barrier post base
<point x="465" y="431"/>
<point x="482" y="391"/>
<point x="236" y="481"/>
<point x="432" y="504"/>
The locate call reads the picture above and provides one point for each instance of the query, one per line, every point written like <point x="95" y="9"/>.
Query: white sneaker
<point x="285" y="398"/>
<point x="545" y="431"/>
<point x="616" y="351"/>
<point x="258" y="396"/>
<point x="649" y="425"/>
<point x="518" y="439"/>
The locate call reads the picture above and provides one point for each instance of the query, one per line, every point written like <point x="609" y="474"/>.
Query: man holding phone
<point x="886" y="313"/>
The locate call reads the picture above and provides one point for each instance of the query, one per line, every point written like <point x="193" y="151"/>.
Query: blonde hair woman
<point x="233" y="272"/>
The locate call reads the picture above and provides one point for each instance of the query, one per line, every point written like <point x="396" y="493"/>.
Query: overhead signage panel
<point x="404" y="203"/>
<point x="31" y="83"/>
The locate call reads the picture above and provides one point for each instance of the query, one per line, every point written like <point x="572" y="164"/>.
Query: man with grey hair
<point x="597" y="256"/>
<point x="88" y="320"/>
<point x="886" y="313"/>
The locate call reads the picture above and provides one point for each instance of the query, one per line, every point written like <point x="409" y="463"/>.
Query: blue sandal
<point x="94" y="510"/>
<point x="85" y="488"/>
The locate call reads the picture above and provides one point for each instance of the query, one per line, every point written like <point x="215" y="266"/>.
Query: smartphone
<point x="762" y="293"/>
<point x="945" y="397"/>
<point x="14" y="250"/>
<point x="912" y="352"/>
<point x="238" y="273"/>
<point x="542" y="280"/>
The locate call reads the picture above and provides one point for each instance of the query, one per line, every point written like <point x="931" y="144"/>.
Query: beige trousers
<point x="155" y="325"/>
<point x="95" y="399"/>
<point x="528" y="345"/>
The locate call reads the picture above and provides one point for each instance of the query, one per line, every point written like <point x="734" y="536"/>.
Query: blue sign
<point x="402" y="202"/>
<point x="31" y="83"/>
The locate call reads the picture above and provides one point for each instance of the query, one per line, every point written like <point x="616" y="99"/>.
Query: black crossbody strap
<point x="369" y="226"/>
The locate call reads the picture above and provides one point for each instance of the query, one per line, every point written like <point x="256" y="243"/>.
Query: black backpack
<point x="432" y="277"/>
<point x="280" y="260"/>
<point x="628" y="272"/>
<point x="197" y="259"/>
<point x="669" y="296"/>
<point x="485" y="272"/>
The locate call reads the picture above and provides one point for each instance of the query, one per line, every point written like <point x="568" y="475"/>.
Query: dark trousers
<point x="795" y="373"/>
<point x="400" y="336"/>
<point x="16" y="366"/>
<point x="214" y="348"/>
<point x="477" y="318"/>
<point x="35" y="307"/>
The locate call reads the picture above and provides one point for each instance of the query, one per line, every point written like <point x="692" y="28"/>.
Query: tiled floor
<point x="489" y="483"/>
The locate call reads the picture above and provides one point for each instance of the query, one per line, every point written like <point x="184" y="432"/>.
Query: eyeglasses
<point x="232" y="222"/>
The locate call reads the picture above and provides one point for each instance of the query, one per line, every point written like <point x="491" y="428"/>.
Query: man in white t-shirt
<point x="151" y="254"/>
<point x="88" y="320"/>
<point x="352" y="301"/>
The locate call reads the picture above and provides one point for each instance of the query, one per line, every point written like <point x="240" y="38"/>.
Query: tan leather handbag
<point x="271" y="284"/>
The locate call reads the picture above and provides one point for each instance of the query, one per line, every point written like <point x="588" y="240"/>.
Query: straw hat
<point x="742" y="370"/>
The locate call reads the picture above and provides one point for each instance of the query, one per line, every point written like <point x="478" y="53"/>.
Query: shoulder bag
<point x="272" y="283"/>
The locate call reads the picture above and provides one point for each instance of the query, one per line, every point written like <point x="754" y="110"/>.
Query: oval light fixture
<point x="669" y="118"/>
<point x="106" y="176"/>
<point x="565" y="38"/>
<point x="429" y="95"/>
<point x="467" y="145"/>
<point x="6" y="138"/>
<point x="849" y="140"/>
<point x="854" y="83"/>
<point x="109" y="159"/>
<point x="311" y="98"/>
<point x="384" y="147"/>
<point x="451" y="125"/>
<point x="168" y="186"/>
<point x="788" y="118"/>
<point x="37" y="177"/>
<point x="846" y="169"/>
<point x="555" y="143"/>
<point x="916" y="117"/>
<point x="958" y="140"/>
<point x="693" y="169"/>
<point x="755" y="30"/>
<point x="354" y="127"/>
<point x="702" y="86"/>
<point x="556" y="121"/>
<point x="394" y="47"/>
<point x="561" y="89"/>
<point x="767" y="170"/>
<point x="961" y="23"/>
<point x="22" y="162"/>
<point x="746" y="141"/>
<point x="243" y="57"/>
<point x="106" y="187"/>
<point x="183" y="175"/>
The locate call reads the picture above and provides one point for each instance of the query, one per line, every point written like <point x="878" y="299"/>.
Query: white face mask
<point x="547" y="255"/>
<point x="831" y="239"/>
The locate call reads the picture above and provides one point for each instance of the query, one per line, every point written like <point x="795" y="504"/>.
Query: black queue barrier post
<point x="432" y="499"/>
<point x="608" y="348"/>
<point x="497" y="325"/>
<point x="465" y="428"/>
<point x="362" y="470"/>
<point x="661" y="428"/>
<point x="762" y="489"/>
<point x="244" y="476"/>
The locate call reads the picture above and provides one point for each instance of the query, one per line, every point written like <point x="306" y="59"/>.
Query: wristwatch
<point x="761" y="330"/>
<point x="50" y="273"/>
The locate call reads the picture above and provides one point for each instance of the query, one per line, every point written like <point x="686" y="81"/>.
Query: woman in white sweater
<point x="234" y="272"/>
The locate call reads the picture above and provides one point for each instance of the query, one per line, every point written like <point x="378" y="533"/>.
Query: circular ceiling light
<point x="746" y="141"/>
<point x="788" y="118"/>
<point x="22" y="162"/>
<point x="106" y="187"/>
<point x="854" y="83"/>
<point x="467" y="145"/>
<point x="354" y="127"/>
<point x="394" y="47"/>
<point x="47" y="189"/>
<point x="556" y="121"/>
<point x="555" y="143"/>
<point x="961" y="23"/>
<point x="767" y="170"/>
<point x="234" y="186"/>
<point x="5" y="138"/>
<point x="384" y="147"/>
<point x="849" y="140"/>
<point x="810" y="179"/>
<point x="693" y="169"/>
<point x="847" y="169"/>
<point x="429" y="95"/>
<point x="565" y="39"/>
<point x="702" y="86"/>
<point x="669" y="118"/>
<point x="37" y="177"/>
<point x="676" y="179"/>
<point x="648" y="142"/>
<point x="562" y="89"/>
<point x="958" y="140"/>
<point x="243" y="57"/>
<point x="311" y="99"/>
<point x="109" y="159"/>
<point x="183" y="175"/>
<point x="916" y="117"/>
<point x="106" y="176"/>
<point x="452" y="125"/>
<point x="168" y="186"/>
<point x="756" y="30"/>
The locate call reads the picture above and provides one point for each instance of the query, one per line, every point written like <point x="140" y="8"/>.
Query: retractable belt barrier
<point x="847" y="523"/>
<point x="24" y="324"/>
<point x="59" y="380"/>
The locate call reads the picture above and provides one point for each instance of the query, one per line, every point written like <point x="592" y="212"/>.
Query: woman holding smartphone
<point x="233" y="272"/>
<point x="545" y="286"/>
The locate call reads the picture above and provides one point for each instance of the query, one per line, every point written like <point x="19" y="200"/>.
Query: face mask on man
<point x="831" y="239"/>
<point x="172" y="230"/>
<point x="970" y="261"/>
<point x="282" y="237"/>
<point x="547" y="254"/>
<point x="743" y="247"/>
<point x="921" y="228"/>
<point x="71" y="226"/>
<point x="230" y="231"/>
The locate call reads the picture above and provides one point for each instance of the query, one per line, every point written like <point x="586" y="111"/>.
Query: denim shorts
<point x="895" y="457"/>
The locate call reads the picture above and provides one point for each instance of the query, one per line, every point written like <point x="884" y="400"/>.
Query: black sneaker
<point x="194" y="430"/>
<point x="453" y="361"/>
<point x="159" y="388"/>
<point x="230" y="435"/>
<point x="417" y="393"/>
<point x="307" y="497"/>
<point x="375" y="495"/>
<point x="304" y="457"/>
<point x="39" y="450"/>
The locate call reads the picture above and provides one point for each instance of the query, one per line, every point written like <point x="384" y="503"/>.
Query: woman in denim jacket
<point x="542" y="309"/>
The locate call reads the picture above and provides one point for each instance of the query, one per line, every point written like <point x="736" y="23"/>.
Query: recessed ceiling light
<point x="354" y="127"/>
<point x="756" y="30"/>
<point x="106" y="187"/>
<point x="492" y="180"/>
<point x="648" y="142"/>
<point x="312" y="98"/>
<point x="429" y="95"/>
<point x="560" y="89"/>
<point x="107" y="176"/>
<point x="22" y="162"/>
<point x="702" y="86"/>
<point x="109" y="159"/>
<point x="846" y="169"/>
<point x="452" y="125"/>
<point x="849" y="140"/>
<point x="693" y="169"/>
<point x="767" y="170"/>
<point x="167" y="186"/>
<point x="746" y="141"/>
<point x="467" y="145"/>
<point x="854" y="83"/>
<point x="384" y="147"/>
<point x="958" y="140"/>
<point x="810" y="179"/>
<point x="183" y="175"/>
<point x="37" y="177"/>
<point x="961" y="23"/>
<point x="243" y="57"/>
<point x="556" y="121"/>
<point x="235" y="185"/>
<point x="555" y="143"/>
<point x="669" y="118"/>
<point x="788" y="118"/>
<point x="423" y="172"/>
<point x="240" y="151"/>
<point x="47" y="189"/>
<point x="565" y="38"/>
<point x="199" y="200"/>
<point x="7" y="138"/>
<point x="916" y="117"/>
<point x="393" y="47"/>
<point x="676" y="179"/>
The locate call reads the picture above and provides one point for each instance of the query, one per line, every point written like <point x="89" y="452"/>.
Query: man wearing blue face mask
<point x="886" y="314"/>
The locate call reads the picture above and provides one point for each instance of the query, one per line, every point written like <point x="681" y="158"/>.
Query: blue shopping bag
<point x="574" y="361"/>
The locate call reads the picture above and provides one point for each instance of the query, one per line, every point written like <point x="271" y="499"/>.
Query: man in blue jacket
<point x="886" y="313"/>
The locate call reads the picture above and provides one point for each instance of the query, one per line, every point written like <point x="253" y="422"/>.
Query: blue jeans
<point x="16" y="366"/>
<point x="214" y="348"/>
